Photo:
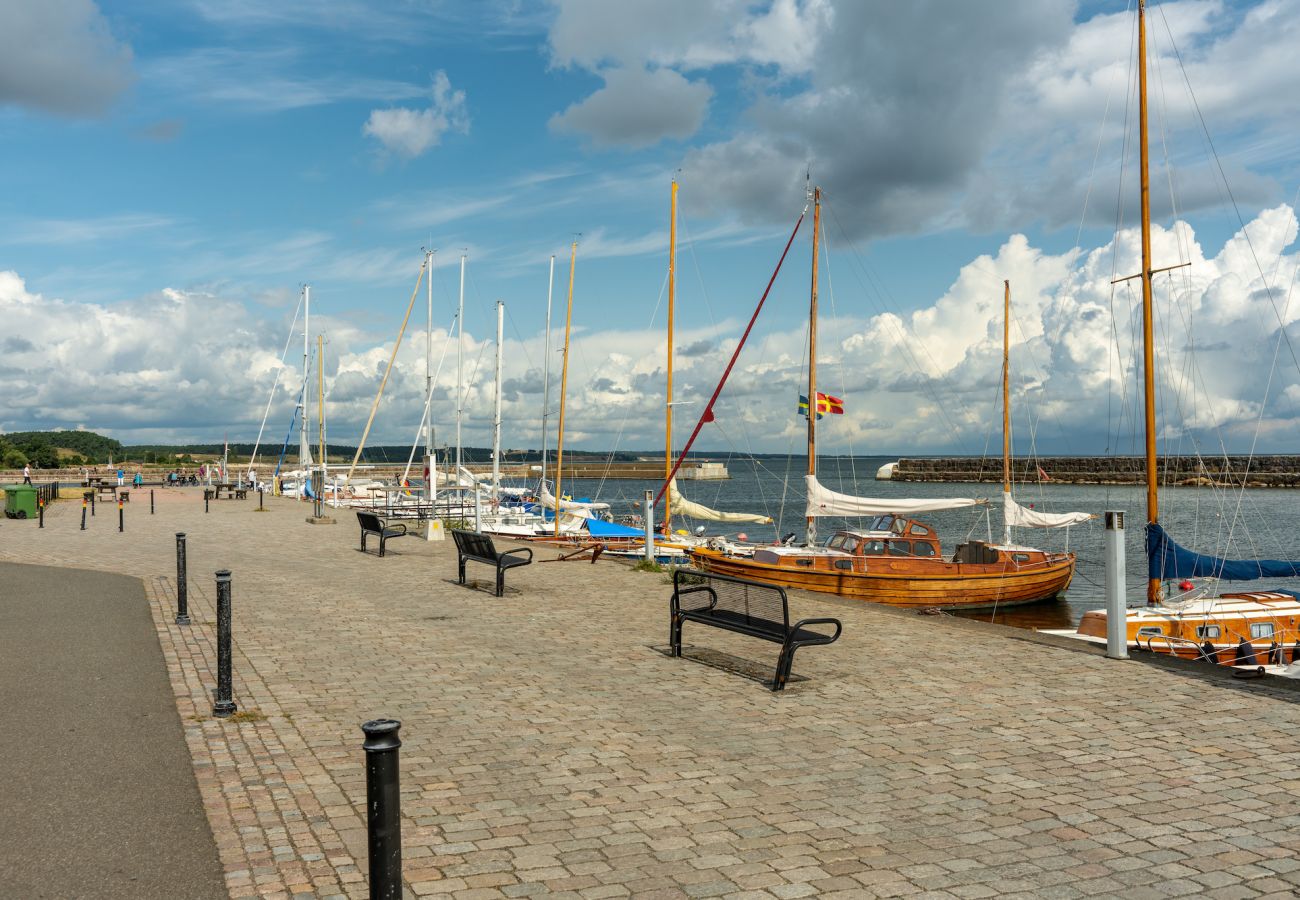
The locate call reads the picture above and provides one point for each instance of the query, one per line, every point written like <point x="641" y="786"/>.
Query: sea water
<point x="1254" y="523"/>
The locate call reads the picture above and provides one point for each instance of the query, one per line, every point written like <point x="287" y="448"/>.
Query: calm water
<point x="1255" y="523"/>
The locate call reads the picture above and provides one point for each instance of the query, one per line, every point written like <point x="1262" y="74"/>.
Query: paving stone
<point x="549" y="749"/>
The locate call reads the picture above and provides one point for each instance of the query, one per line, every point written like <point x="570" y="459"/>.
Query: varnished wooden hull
<point x="931" y="584"/>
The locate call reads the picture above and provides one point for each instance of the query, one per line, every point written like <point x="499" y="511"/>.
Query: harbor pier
<point x="551" y="746"/>
<point x="1276" y="471"/>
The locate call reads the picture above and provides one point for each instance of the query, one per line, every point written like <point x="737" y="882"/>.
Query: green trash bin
<point x="20" y="501"/>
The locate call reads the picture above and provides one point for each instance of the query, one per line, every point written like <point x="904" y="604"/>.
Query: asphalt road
<point x="97" y="793"/>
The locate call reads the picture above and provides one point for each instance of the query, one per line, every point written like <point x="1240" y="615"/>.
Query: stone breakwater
<point x="1190" y="471"/>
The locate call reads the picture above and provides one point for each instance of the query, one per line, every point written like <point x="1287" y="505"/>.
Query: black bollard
<point x="223" y="705"/>
<point x="121" y="517"/>
<point x="151" y="501"/>
<point x="205" y="500"/>
<point x="383" y="808"/>
<point x="40" y="511"/>
<point x="92" y="506"/>
<point x="182" y="588"/>
<point x="259" y="500"/>
<point x="83" y="515"/>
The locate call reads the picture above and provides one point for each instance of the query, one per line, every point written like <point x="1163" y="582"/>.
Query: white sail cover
<point x="1015" y="515"/>
<point x="580" y="509"/>
<point x="694" y="510"/>
<point x="824" y="502"/>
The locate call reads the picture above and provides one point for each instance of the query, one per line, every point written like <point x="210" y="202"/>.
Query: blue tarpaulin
<point x="600" y="528"/>
<point x="1165" y="559"/>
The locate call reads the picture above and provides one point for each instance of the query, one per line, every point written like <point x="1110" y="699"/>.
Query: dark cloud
<point x="58" y="56"/>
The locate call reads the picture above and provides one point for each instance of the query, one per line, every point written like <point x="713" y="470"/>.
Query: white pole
<point x="546" y="365"/>
<point x="496" y="422"/>
<point x="428" y="390"/>
<point x="1116" y="609"/>
<point x="460" y="360"/>
<point x="304" y="442"/>
<point x="648" y="514"/>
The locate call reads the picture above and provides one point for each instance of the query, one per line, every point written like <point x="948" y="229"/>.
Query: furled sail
<point x="693" y="510"/>
<point x="1015" y="515"/>
<point x="584" y="510"/>
<point x="1165" y="559"/>
<point x="824" y="502"/>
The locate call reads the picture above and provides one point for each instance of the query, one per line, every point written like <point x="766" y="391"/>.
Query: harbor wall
<point x="1278" y="471"/>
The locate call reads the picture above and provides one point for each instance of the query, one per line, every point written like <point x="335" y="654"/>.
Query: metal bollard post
<point x="182" y="588"/>
<point x="92" y="506"/>
<point x="83" y="513"/>
<point x="121" y="517"/>
<point x="383" y="808"/>
<point x="1116" y="613"/>
<point x="151" y="501"/>
<point x="222" y="704"/>
<point x="205" y="500"/>
<point x="260" y="508"/>
<point x="40" y="511"/>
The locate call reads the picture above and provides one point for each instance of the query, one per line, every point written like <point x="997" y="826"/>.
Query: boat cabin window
<point x="1208" y="631"/>
<point x="803" y="561"/>
<point x="1151" y="629"/>
<point x="846" y="542"/>
<point x="918" y="529"/>
<point x="873" y="548"/>
<point x="880" y="523"/>
<point x="900" y="548"/>
<point x="1020" y="558"/>
<point x="924" y="548"/>
<point x="1261" y="630"/>
<point x="844" y="564"/>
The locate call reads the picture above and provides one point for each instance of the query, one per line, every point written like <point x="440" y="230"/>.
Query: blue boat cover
<point x="1165" y="559"/>
<point x="601" y="528"/>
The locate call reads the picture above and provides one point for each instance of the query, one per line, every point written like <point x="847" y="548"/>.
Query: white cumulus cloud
<point x="410" y="132"/>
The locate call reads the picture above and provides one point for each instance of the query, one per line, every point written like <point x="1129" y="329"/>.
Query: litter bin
<point x="20" y="501"/>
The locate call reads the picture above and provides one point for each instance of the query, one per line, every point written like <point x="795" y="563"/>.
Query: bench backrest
<point x="370" y="521"/>
<point x="748" y="599"/>
<point x="473" y="543"/>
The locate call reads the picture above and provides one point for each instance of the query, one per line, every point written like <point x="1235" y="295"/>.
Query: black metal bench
<point x="745" y="607"/>
<point x="477" y="547"/>
<point x="372" y="524"/>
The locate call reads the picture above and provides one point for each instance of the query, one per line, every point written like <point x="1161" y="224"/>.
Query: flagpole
<point x="813" y="405"/>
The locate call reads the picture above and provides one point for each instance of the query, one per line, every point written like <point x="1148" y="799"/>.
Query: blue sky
<point x="171" y="173"/>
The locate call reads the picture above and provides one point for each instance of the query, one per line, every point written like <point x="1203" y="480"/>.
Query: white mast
<point x="304" y="433"/>
<point x="546" y="366"/>
<point x="460" y="360"/>
<point x="428" y="386"/>
<point x="496" y="421"/>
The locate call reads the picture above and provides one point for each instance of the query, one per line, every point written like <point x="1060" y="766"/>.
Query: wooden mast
<point x="812" y="357"/>
<point x="1148" y="332"/>
<point x="564" y="385"/>
<point x="1006" y="406"/>
<point x="668" y="405"/>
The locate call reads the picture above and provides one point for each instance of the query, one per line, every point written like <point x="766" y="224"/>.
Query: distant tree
<point x="13" y="458"/>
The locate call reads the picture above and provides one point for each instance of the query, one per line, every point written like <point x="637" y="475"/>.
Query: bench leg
<point x="675" y="635"/>
<point x="382" y="540"/>
<point x="783" y="663"/>
<point x="461" y="575"/>
<point x="501" y="581"/>
<point x="363" y="542"/>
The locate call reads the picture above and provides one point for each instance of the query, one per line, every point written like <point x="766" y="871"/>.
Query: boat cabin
<point x="888" y="536"/>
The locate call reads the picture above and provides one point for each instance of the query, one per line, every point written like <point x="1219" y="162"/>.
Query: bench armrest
<point x="519" y="550"/>
<point x="825" y="638"/>
<point x="395" y="527"/>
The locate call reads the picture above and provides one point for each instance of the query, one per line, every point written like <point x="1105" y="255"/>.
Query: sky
<point x="173" y="172"/>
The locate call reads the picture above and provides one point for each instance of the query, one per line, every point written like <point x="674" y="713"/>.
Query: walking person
<point x="138" y="481"/>
<point x="121" y="477"/>
<point x="27" y="474"/>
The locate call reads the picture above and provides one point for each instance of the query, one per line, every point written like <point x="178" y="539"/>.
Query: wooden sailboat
<point x="895" y="560"/>
<point x="1248" y="628"/>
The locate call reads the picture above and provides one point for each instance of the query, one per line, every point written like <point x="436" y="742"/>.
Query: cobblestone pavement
<point x="550" y="748"/>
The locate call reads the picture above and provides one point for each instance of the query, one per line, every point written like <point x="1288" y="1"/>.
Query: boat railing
<point x="1173" y="643"/>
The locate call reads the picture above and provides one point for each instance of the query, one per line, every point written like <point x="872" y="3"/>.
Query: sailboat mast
<point x="460" y="361"/>
<point x="564" y="386"/>
<point x="1148" y="330"/>
<point x="812" y="356"/>
<point x="1006" y="405"/>
<point x="428" y="380"/>
<point x="496" y="419"/>
<point x="668" y="405"/>
<point x="304" y="437"/>
<point x="320" y="395"/>
<point x="546" y="366"/>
